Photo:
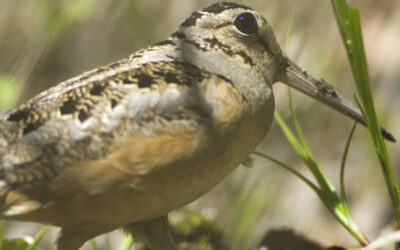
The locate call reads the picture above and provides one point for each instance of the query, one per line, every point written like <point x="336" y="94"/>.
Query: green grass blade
<point x="348" y="19"/>
<point x="289" y="31"/>
<point x="293" y="171"/>
<point x="93" y="244"/>
<point x="127" y="243"/>
<point x="326" y="191"/>
<point x="304" y="153"/>
<point x="289" y="135"/>
<point x="2" y="230"/>
<point x="343" y="163"/>
<point x="296" y="123"/>
<point x="307" y="155"/>
<point x="38" y="237"/>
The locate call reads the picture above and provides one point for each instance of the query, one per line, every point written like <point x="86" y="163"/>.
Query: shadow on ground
<point x="288" y="240"/>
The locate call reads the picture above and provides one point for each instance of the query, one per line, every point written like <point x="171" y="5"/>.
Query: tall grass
<point x="348" y="21"/>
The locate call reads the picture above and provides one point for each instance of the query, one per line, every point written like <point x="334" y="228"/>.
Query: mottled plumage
<point x="122" y="145"/>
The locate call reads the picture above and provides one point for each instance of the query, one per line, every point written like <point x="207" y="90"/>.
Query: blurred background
<point x="43" y="42"/>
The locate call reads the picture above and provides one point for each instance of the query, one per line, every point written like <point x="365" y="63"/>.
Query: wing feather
<point x="44" y="136"/>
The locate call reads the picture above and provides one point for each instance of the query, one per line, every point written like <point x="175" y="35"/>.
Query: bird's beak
<point x="296" y="77"/>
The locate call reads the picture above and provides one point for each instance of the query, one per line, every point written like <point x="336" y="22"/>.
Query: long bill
<point x="298" y="78"/>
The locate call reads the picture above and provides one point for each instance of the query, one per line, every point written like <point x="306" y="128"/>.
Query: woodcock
<point x="122" y="145"/>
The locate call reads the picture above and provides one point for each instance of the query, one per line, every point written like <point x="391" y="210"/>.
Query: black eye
<point x="246" y="23"/>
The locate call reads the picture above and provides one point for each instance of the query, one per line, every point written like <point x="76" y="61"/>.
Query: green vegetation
<point x="348" y="20"/>
<point x="9" y="92"/>
<point x="53" y="25"/>
<point x="20" y="244"/>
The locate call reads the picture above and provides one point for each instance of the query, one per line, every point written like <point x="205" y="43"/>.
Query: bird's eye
<point x="246" y="23"/>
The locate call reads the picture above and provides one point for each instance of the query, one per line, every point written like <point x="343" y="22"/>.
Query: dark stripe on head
<point x="178" y="34"/>
<point x="223" y="25"/>
<point x="246" y="58"/>
<point x="190" y="21"/>
<point x="165" y="42"/>
<point x="220" y="7"/>
<point x="215" y="43"/>
<point x="181" y="36"/>
<point x="19" y="115"/>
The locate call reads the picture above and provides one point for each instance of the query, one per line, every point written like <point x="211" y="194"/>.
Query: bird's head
<point x="236" y="41"/>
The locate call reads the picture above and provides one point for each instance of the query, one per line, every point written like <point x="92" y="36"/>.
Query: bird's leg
<point x="74" y="239"/>
<point x="155" y="233"/>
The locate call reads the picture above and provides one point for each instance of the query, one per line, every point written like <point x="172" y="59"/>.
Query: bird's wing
<point x="63" y="140"/>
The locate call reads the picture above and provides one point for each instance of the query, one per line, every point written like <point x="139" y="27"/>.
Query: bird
<point x="122" y="145"/>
